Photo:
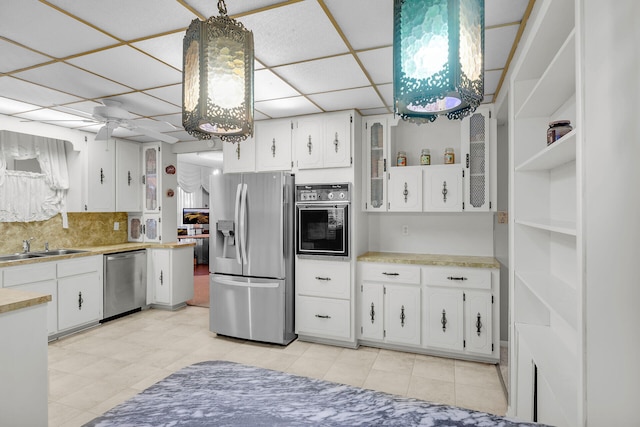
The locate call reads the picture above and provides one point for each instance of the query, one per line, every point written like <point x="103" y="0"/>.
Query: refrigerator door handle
<point x="237" y="218"/>
<point x="243" y="219"/>
<point x="230" y="282"/>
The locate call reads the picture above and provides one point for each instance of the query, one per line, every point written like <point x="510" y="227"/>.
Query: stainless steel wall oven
<point x="322" y="220"/>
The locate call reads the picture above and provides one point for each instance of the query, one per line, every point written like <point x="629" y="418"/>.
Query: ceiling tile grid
<point x="311" y="56"/>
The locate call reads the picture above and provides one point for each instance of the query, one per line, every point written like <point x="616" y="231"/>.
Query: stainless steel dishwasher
<point x="125" y="283"/>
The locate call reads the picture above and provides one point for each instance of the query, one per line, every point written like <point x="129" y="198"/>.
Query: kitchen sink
<point x="53" y="252"/>
<point x="15" y="257"/>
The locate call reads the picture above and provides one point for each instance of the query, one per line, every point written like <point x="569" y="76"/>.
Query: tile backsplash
<point x="85" y="229"/>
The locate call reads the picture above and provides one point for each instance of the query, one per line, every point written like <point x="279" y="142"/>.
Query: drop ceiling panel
<point x="269" y="86"/>
<point x="360" y="98"/>
<point x="127" y="19"/>
<point x="340" y="72"/>
<point x="165" y="48"/>
<point x="72" y="80"/>
<point x="379" y="64"/>
<point x="38" y="26"/>
<point x="498" y="12"/>
<point x="501" y="39"/>
<point x="364" y="25"/>
<point x="62" y="119"/>
<point x="287" y="107"/>
<point x="145" y="105"/>
<point x="9" y="106"/>
<point x="210" y="8"/>
<point x="171" y="94"/>
<point x="374" y="111"/>
<point x="13" y="88"/>
<point x="297" y="32"/>
<point x="491" y="79"/>
<point x="129" y="67"/>
<point x="387" y="94"/>
<point x="15" y="57"/>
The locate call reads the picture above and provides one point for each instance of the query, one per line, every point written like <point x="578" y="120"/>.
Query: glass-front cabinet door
<point x="151" y="178"/>
<point x="478" y="148"/>
<point x="375" y="180"/>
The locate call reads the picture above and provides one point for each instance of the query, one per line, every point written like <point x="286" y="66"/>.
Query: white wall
<point x="432" y="233"/>
<point x="612" y="219"/>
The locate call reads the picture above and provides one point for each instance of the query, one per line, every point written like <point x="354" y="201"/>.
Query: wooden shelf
<point x="555" y="226"/>
<point x="556" y="85"/>
<point x="557" y="295"/>
<point x="560" y="152"/>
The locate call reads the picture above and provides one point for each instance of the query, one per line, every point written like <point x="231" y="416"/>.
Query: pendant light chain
<point x="222" y="7"/>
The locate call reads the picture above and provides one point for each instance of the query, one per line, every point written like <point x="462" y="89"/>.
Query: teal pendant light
<point x="438" y="58"/>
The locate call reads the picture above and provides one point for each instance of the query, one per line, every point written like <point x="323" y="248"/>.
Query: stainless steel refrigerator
<point x="251" y="258"/>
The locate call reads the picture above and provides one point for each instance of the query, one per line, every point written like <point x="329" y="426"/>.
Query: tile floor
<point x="93" y="371"/>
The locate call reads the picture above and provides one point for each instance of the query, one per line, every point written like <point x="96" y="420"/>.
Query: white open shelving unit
<point x="546" y="236"/>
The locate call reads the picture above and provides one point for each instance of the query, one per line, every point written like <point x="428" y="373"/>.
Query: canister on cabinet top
<point x="557" y="130"/>
<point x="449" y="156"/>
<point x="401" y="160"/>
<point x="425" y="157"/>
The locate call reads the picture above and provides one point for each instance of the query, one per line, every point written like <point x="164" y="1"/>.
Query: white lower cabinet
<point x="439" y="310"/>
<point x="390" y="313"/>
<point x="323" y="300"/>
<point x="169" y="276"/>
<point x="75" y="286"/>
<point x="80" y="292"/>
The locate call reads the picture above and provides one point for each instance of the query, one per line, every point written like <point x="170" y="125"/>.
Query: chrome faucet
<point x="26" y="245"/>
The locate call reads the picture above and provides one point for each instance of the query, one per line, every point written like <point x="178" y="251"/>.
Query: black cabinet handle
<point x="478" y="324"/>
<point x="323" y="316"/>
<point x="273" y="148"/>
<point x="402" y="316"/>
<point x="443" y="320"/>
<point x="444" y="191"/>
<point x="323" y="278"/>
<point x="80" y="300"/>
<point x="310" y="145"/>
<point x="405" y="192"/>
<point x="129" y="179"/>
<point x="390" y="274"/>
<point x="372" y="313"/>
<point x="457" y="278"/>
<point x="101" y="176"/>
<point x="336" y="142"/>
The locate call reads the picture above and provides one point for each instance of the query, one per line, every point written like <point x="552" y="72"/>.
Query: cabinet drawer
<point x="79" y="266"/>
<point x="29" y="273"/>
<point x="477" y="278"/>
<point x="391" y="273"/>
<point x="331" y="279"/>
<point x="323" y="316"/>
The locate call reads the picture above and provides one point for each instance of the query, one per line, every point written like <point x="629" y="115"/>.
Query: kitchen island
<point x="23" y="359"/>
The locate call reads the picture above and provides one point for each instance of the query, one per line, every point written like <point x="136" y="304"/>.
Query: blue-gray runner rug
<point x="220" y="393"/>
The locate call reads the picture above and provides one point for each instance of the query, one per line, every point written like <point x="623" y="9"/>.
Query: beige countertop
<point x="13" y="299"/>
<point x="97" y="250"/>
<point x="430" y="259"/>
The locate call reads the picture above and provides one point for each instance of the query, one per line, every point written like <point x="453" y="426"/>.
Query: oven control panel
<point x="323" y="193"/>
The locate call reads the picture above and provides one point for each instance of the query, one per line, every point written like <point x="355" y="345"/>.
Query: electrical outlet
<point x="116" y="226"/>
<point x="405" y="230"/>
<point x="503" y="217"/>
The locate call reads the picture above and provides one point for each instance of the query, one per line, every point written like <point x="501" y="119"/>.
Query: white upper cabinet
<point x="323" y="140"/>
<point x="307" y="141"/>
<point x="128" y="177"/>
<point x="239" y="156"/>
<point x="405" y="189"/>
<point x="101" y="177"/>
<point x="443" y="188"/>
<point x="375" y="157"/>
<point x="479" y="160"/>
<point x="113" y="176"/>
<point x="152" y="178"/>
<point x="273" y="145"/>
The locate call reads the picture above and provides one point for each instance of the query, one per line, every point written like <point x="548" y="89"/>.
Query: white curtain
<point x="28" y="196"/>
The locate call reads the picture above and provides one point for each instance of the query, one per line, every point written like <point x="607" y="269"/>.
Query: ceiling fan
<point x="114" y="116"/>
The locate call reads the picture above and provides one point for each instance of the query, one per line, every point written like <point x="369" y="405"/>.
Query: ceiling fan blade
<point x="77" y="112"/>
<point x="157" y="135"/>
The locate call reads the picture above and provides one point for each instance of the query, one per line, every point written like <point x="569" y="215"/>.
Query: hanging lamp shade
<point x="217" y="78"/>
<point x="438" y="58"/>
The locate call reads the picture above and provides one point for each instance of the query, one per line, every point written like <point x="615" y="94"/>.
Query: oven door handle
<point x="237" y="222"/>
